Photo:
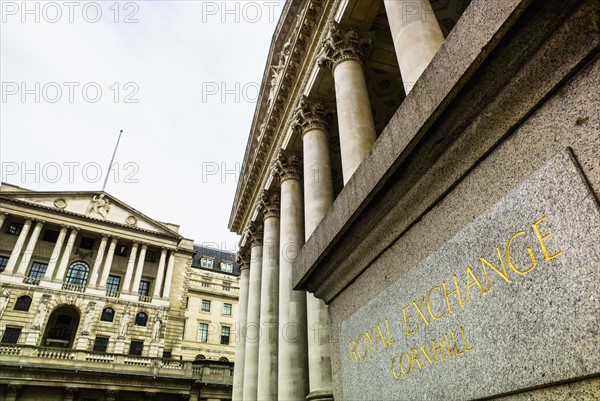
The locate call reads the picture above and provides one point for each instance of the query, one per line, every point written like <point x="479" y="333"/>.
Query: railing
<point x="35" y="357"/>
<point x="145" y="298"/>
<point x="113" y="294"/>
<point x="31" y="280"/>
<point x="73" y="287"/>
<point x="213" y="287"/>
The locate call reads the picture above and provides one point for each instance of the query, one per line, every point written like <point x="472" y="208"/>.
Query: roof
<point x="218" y="255"/>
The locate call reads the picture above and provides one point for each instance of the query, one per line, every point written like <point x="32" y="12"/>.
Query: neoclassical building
<point x="95" y="303"/>
<point x="389" y="134"/>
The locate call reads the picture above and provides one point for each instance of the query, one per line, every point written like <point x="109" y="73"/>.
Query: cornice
<point x="270" y="114"/>
<point x="87" y="218"/>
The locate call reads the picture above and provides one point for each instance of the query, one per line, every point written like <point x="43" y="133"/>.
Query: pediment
<point x="94" y="205"/>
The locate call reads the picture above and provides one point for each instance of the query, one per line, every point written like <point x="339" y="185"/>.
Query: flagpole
<point x="111" y="161"/>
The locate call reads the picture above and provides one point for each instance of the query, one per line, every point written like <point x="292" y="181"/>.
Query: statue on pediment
<point x="99" y="205"/>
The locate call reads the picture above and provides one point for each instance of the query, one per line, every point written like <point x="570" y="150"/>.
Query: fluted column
<point x="130" y="268"/>
<point x="169" y="274"/>
<point x="2" y="218"/>
<point x="33" y="239"/>
<point x="293" y="352"/>
<point x="314" y="122"/>
<point x="160" y="274"/>
<point x="254" y="234"/>
<point x="416" y="34"/>
<point x="66" y="256"/>
<point x="243" y="258"/>
<point x="98" y="261"/>
<point x="16" y="252"/>
<point x="56" y="253"/>
<point x="140" y="268"/>
<point x="269" y="299"/>
<point x="344" y="50"/>
<point x="108" y="262"/>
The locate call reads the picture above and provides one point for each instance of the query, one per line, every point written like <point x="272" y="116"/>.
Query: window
<point x="50" y="236"/>
<point x="11" y="335"/>
<point x="100" y="344"/>
<point x="223" y="359"/>
<point x="167" y="354"/>
<point x="226" y="286"/>
<point x="207" y="263"/>
<point x="227" y="309"/>
<point x="14" y="228"/>
<point x="23" y="303"/>
<point x="3" y="262"/>
<point x="206" y="283"/>
<point x="227" y="267"/>
<point x="108" y="315"/>
<point x="121" y="250"/>
<point x="113" y="283"/>
<point x="203" y="332"/>
<point x="136" y="347"/>
<point x="225" y="335"/>
<point x="87" y="243"/>
<point x="78" y="273"/>
<point x="187" y="302"/>
<point x="199" y="357"/>
<point x="150" y="256"/>
<point x="144" y="288"/>
<point x="205" y="306"/>
<point x="141" y="319"/>
<point x="37" y="270"/>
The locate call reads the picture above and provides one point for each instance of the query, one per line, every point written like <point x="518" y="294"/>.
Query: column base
<point x="320" y="396"/>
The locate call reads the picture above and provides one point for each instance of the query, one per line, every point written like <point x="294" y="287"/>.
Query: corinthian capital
<point x="312" y="114"/>
<point x="269" y="203"/>
<point x="343" y="44"/>
<point x="254" y="232"/>
<point x="288" y="165"/>
<point x="243" y="257"/>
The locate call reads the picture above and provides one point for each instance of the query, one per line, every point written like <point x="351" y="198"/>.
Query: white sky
<point x="179" y="56"/>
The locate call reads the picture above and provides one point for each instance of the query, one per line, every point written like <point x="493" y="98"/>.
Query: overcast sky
<point x="180" y="78"/>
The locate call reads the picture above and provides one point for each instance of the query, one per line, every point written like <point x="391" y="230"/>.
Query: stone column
<point x="64" y="261"/>
<point x="161" y="273"/>
<point x="55" y="253"/>
<point x="242" y="318"/>
<point x="140" y="268"/>
<point x="269" y="299"/>
<point x="130" y="268"/>
<point x="108" y="262"/>
<point x="254" y="235"/>
<point x="2" y="218"/>
<point x="344" y="51"/>
<point x="314" y="121"/>
<point x="16" y="252"/>
<point x="416" y="34"/>
<point x="12" y="391"/>
<point x="169" y="275"/>
<point x="293" y="352"/>
<point x="33" y="239"/>
<point x="98" y="261"/>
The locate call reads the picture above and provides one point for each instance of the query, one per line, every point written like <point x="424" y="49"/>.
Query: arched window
<point x="23" y="303"/>
<point x="199" y="357"/>
<point x="223" y="359"/>
<point x="78" y="273"/>
<point x="108" y="314"/>
<point x="141" y="319"/>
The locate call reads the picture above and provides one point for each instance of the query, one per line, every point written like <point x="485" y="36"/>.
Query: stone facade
<point x="433" y="137"/>
<point x="93" y="298"/>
